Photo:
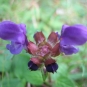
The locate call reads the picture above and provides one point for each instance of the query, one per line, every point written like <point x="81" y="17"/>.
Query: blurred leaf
<point x="21" y="70"/>
<point x="78" y="76"/>
<point x="62" y="71"/>
<point x="64" y="81"/>
<point x="19" y="64"/>
<point x="5" y="60"/>
<point x="8" y="55"/>
<point x="34" y="77"/>
<point x="61" y="77"/>
<point x="5" y="64"/>
<point x="12" y="82"/>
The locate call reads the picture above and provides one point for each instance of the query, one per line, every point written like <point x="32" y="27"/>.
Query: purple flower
<point x="16" y="33"/>
<point x="72" y="36"/>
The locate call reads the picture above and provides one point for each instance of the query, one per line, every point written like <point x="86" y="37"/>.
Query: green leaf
<point x="34" y="77"/>
<point x="5" y="61"/>
<point x="64" y="81"/>
<point x="19" y="64"/>
<point x="21" y="70"/>
<point x="61" y="77"/>
<point x="5" y="64"/>
<point x="12" y="82"/>
<point x="78" y="76"/>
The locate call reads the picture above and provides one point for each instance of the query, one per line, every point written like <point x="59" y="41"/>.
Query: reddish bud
<point x="51" y="65"/>
<point x="32" y="48"/>
<point x="49" y="61"/>
<point x="36" y="61"/>
<point x="55" y="50"/>
<point x="53" y="38"/>
<point x="39" y="37"/>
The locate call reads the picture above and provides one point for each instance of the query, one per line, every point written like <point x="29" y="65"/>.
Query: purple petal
<point x="74" y="35"/>
<point x="58" y="35"/>
<point x="68" y="50"/>
<point x="15" y="47"/>
<point x="23" y="27"/>
<point x="21" y="39"/>
<point x="10" y="30"/>
<point x="63" y="28"/>
<point x="16" y="33"/>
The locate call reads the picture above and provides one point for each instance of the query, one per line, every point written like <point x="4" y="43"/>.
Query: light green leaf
<point x="61" y="77"/>
<point x="12" y="82"/>
<point x="5" y="64"/>
<point x="34" y="77"/>
<point x="21" y="70"/>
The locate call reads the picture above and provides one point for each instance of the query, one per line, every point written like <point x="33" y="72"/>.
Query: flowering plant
<point x="43" y="51"/>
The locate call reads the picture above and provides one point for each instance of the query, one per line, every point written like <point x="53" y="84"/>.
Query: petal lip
<point x="74" y="35"/>
<point x="39" y="37"/>
<point x="14" y="47"/>
<point x="53" y="38"/>
<point x="69" y="50"/>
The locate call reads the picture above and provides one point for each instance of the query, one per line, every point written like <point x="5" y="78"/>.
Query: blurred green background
<point x="46" y="16"/>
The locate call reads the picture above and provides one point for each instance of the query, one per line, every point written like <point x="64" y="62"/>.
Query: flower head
<point x="16" y="33"/>
<point x="44" y="50"/>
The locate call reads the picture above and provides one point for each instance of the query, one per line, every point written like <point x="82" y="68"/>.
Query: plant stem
<point x="44" y="75"/>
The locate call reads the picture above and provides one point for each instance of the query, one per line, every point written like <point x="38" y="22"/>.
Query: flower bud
<point x="56" y="50"/>
<point x="33" y="64"/>
<point x="32" y="48"/>
<point x="39" y="37"/>
<point x="53" y="38"/>
<point x="51" y="65"/>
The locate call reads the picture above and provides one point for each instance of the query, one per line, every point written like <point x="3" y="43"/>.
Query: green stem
<point x="44" y="75"/>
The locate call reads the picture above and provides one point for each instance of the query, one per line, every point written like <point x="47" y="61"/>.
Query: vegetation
<point x="46" y="16"/>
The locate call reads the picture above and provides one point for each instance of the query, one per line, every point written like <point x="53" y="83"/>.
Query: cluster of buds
<point x="44" y="51"/>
